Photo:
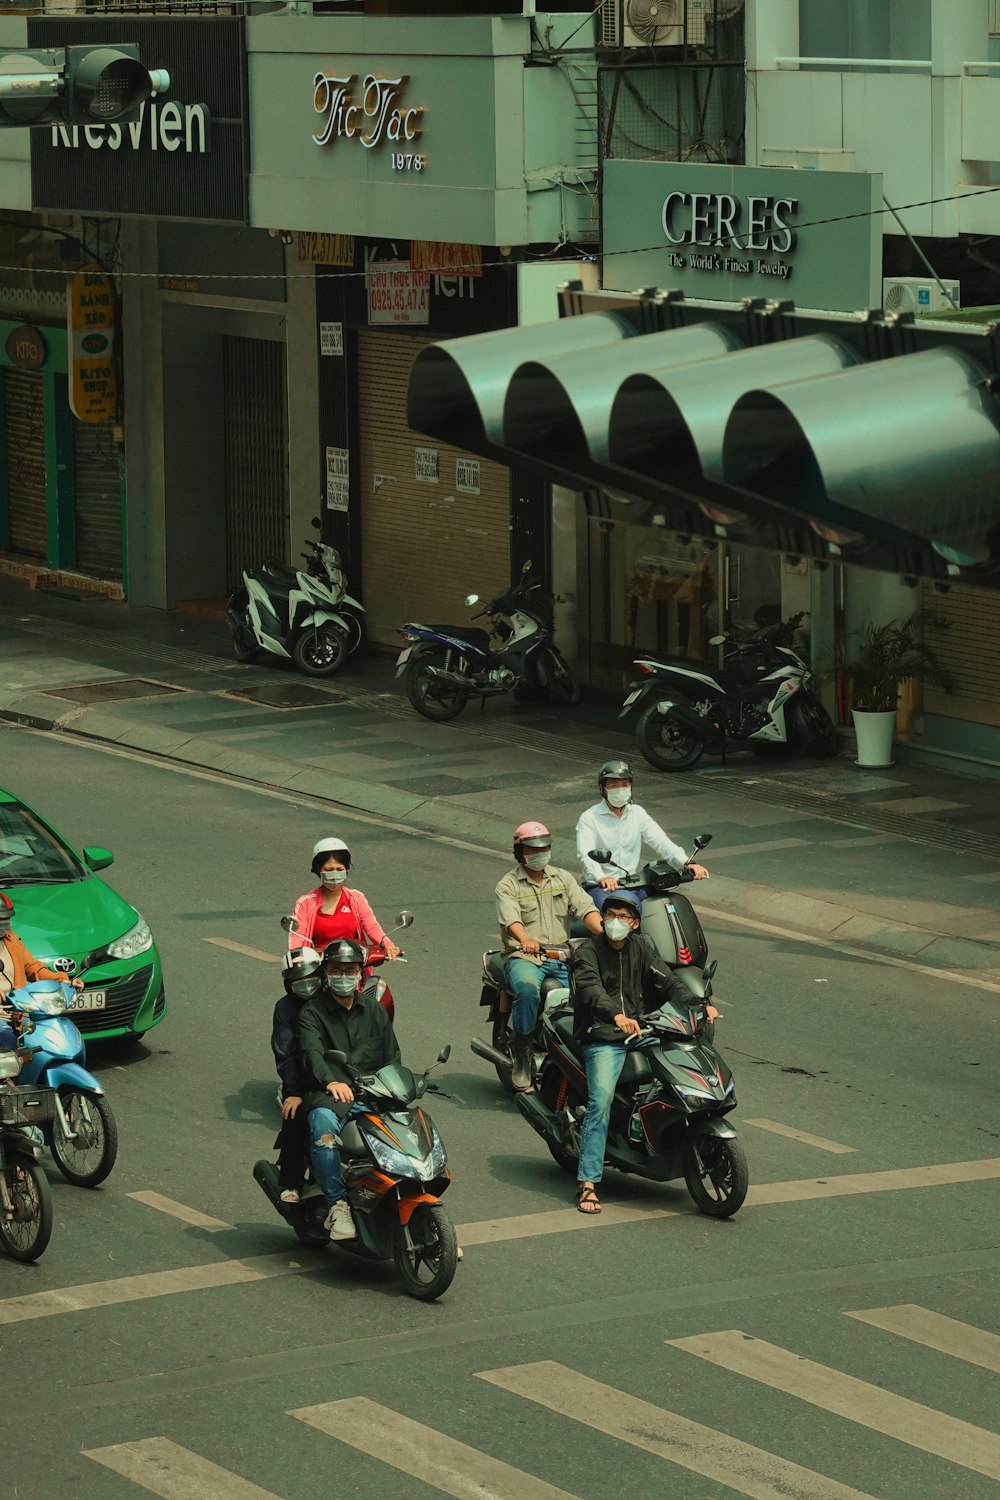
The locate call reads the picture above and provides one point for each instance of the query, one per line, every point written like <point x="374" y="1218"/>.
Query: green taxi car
<point x="68" y="917"/>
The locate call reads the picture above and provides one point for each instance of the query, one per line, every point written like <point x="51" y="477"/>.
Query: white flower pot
<point x="874" y="735"/>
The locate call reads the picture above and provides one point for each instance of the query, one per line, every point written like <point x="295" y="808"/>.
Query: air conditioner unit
<point x="661" y="23"/>
<point x="919" y="294"/>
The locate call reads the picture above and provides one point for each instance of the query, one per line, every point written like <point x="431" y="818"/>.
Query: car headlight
<point x="134" y="942"/>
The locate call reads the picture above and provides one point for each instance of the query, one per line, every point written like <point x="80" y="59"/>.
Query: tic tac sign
<point x="376" y="114"/>
<point x="93" y="379"/>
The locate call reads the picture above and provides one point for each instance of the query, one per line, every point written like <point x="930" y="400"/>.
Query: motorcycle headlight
<point x="392" y="1160"/>
<point x="438" y="1157"/>
<point x="134" y="942"/>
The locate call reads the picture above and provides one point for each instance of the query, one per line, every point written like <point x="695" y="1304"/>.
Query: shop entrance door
<point x="256" y="447"/>
<point x="24" y="415"/>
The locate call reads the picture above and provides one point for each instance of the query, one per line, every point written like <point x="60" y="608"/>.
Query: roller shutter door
<point x="969" y="645"/>
<point x="24" y="403"/>
<point x="97" y="487"/>
<point x="256" y="447"/>
<point x="425" y="545"/>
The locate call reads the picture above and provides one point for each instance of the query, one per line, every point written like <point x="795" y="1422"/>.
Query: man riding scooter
<point x="620" y="825"/>
<point x="535" y="902"/>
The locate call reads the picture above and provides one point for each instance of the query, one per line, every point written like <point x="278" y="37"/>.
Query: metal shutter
<point x="97" y="487"/>
<point x="24" y="402"/>
<point x="425" y="546"/>
<point x="969" y="645"/>
<point x="256" y="454"/>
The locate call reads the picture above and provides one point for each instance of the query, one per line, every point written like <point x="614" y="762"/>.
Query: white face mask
<point x="617" y="929"/>
<point x="618" y="796"/>
<point x="334" y="877"/>
<point x="537" y="859"/>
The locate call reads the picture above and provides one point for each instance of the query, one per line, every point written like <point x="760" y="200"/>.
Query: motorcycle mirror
<point x="717" y="640"/>
<point x="710" y="969"/>
<point x="702" y="839"/>
<point x="526" y="567"/>
<point x="471" y="599"/>
<point x="603" y="856"/>
<point x="316" y="523"/>
<point x="404" y="919"/>
<point x="334" y="1056"/>
<point x="289" y="924"/>
<point x="444" y="1054"/>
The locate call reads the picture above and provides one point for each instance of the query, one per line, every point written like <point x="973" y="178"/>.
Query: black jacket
<point x="286" y="1049"/>
<point x="364" y="1033"/>
<point x="609" y="982"/>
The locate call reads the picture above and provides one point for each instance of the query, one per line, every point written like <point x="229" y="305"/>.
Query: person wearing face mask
<point x="333" y="909"/>
<point x="340" y="1018"/>
<point x="302" y="973"/>
<point x="17" y="967"/>
<point x="617" y="980"/>
<point x="620" y="825"/>
<point x="534" y="905"/>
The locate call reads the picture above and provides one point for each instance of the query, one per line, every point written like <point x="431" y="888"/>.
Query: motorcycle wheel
<point x="501" y="1041"/>
<point x="548" y="1093"/>
<point x="26" y="1235"/>
<point x="817" y="730"/>
<point x="245" y="646"/>
<point x="716" y="1174"/>
<point x="356" y="631"/>
<point x="434" y="699"/>
<point x="425" y="1252"/>
<point x="321" y="651"/>
<point x="665" y="745"/>
<point x="562" y="685"/>
<point x="90" y="1158"/>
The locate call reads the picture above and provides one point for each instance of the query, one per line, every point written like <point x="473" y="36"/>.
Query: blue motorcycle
<point x="82" y="1134"/>
<point x="446" y="665"/>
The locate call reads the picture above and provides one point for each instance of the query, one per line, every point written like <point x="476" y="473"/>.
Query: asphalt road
<point x="649" y="1353"/>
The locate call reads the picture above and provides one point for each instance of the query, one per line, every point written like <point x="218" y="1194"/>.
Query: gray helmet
<point x="302" y="973"/>
<point x="344" y="951"/>
<point x="614" y="770"/>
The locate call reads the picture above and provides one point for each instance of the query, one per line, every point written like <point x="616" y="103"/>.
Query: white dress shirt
<point x="600" y="828"/>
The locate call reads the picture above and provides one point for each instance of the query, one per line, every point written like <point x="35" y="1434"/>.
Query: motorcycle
<point x="81" y="1133"/>
<point x="668" y="1112"/>
<point x="446" y="665"/>
<point x="764" y="697"/>
<point x="376" y="957"/>
<point x="395" y="1169"/>
<point x="667" y="917"/>
<point x="25" y="1195"/>
<point x="304" y="614"/>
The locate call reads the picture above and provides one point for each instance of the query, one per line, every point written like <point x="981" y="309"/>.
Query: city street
<point x="838" y="1338"/>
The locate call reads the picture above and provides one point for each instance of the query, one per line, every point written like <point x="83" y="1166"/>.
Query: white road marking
<point x="845" y="1396"/>
<point x="555" y="1221"/>
<point x="947" y="1335"/>
<point x="175" y="1473"/>
<point x="772" y="846"/>
<point x="265" y="958"/>
<point x="179" y="1211"/>
<point x="819" y="1141"/>
<point x="423" y="1453"/>
<point x="702" y="1450"/>
<point x="851" y="1184"/>
<point x="140" y="1288"/>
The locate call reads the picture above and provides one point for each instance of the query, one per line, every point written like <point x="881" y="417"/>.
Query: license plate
<point x="89" y="1000"/>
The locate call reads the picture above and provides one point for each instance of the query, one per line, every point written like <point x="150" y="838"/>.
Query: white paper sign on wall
<point x="338" y="478"/>
<point x="331" y="338"/>
<point x="467" y="480"/>
<point x="425" y="465"/>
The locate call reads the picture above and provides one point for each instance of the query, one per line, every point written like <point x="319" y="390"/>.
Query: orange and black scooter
<point x="395" y="1169"/>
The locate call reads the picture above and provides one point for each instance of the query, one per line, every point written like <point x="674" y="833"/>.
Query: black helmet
<point x="302" y="973"/>
<point x="344" y="951"/>
<point x="614" y="770"/>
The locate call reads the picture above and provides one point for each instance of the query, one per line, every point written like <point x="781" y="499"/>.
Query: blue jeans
<point x="599" y="895"/>
<point x="325" y="1156"/>
<point x="604" y="1062"/>
<point x="524" y="980"/>
<point x="8" y="1040"/>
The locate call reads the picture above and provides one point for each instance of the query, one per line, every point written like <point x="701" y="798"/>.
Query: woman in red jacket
<point x="333" y="909"/>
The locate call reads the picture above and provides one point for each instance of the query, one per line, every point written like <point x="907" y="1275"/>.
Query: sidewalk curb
<point x="796" y="914"/>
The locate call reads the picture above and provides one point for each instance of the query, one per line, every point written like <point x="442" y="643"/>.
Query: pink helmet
<point x="535" y="835"/>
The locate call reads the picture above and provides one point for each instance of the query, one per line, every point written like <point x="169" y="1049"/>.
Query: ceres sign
<point x="724" y="222"/>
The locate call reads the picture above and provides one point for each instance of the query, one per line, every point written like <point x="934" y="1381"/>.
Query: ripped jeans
<point x="324" y="1154"/>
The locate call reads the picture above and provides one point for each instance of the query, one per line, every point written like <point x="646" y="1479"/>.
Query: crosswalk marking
<point x="175" y="1473"/>
<point x="703" y="1450"/>
<point x="555" y="1221"/>
<point x="265" y="958"/>
<point x="857" y="1400"/>
<point x="180" y="1211"/>
<point x="851" y="1184"/>
<point x="947" y="1335"/>
<point x="452" y="1467"/>
<point x="819" y="1141"/>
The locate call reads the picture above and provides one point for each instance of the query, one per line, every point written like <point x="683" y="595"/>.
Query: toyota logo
<point x="64" y="965"/>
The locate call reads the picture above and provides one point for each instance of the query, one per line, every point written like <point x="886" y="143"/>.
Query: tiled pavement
<point x="906" y="860"/>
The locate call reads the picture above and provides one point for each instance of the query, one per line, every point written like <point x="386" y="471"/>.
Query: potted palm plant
<point x="885" y="657"/>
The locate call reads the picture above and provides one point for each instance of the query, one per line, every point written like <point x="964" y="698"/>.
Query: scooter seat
<point x="562" y="1025"/>
<point x="494" y="968"/>
<point x="280" y="570"/>
<point x="480" y="639"/>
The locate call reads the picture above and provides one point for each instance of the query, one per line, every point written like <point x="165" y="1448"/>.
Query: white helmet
<point x="326" y="847"/>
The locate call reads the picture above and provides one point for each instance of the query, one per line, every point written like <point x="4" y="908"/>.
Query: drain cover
<point x="113" y="690"/>
<point x="287" y="695"/>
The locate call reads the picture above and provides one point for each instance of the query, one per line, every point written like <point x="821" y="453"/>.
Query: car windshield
<point x="29" y="853"/>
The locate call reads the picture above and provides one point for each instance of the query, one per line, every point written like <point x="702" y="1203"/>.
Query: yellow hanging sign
<point x="93" y="380"/>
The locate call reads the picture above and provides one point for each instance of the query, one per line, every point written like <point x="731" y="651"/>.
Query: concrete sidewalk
<point x="904" y="861"/>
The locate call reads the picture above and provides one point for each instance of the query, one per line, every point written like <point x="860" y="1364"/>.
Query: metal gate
<point x="97" y="488"/>
<point x="256" y="446"/>
<point x="24" y="412"/>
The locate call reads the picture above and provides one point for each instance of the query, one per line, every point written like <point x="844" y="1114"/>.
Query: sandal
<point x="586" y="1199"/>
<point x="290" y="1195"/>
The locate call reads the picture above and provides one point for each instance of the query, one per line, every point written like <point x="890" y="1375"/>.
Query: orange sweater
<point x="24" y="965"/>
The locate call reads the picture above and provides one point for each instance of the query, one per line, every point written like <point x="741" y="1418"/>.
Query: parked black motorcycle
<point x="764" y="698"/>
<point x="395" y="1168"/>
<point x="667" y="917"/>
<point x="446" y="665"/>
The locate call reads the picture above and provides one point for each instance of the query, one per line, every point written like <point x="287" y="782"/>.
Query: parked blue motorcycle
<point x="82" y="1135"/>
<point x="446" y="665"/>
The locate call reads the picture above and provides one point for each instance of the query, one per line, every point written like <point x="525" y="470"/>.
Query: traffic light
<point x="75" y="86"/>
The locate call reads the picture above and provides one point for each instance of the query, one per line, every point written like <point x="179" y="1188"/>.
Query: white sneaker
<point x="340" y="1222"/>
